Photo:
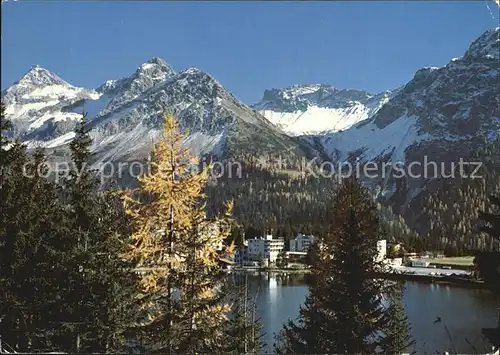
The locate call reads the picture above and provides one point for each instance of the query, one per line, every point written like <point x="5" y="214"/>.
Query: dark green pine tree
<point x="397" y="330"/>
<point x="6" y="152"/>
<point x="100" y="289"/>
<point x="244" y="330"/>
<point x="344" y="311"/>
<point x="303" y="335"/>
<point x="5" y="126"/>
<point x="488" y="262"/>
<point x="31" y="226"/>
<point x="10" y="151"/>
<point x="492" y="219"/>
<point x="312" y="253"/>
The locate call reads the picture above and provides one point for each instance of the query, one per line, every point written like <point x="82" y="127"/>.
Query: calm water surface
<point x="464" y="311"/>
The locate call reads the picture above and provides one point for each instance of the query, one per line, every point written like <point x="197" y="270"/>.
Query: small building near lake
<point x="420" y="263"/>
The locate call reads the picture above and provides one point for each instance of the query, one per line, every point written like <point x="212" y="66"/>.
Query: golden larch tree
<point x="177" y="248"/>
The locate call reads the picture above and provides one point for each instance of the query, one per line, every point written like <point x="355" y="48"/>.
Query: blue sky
<point x="247" y="46"/>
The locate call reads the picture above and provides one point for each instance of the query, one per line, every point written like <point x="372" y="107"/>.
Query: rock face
<point x="35" y="104"/>
<point x="455" y="102"/>
<point x="441" y="115"/>
<point x="125" y="115"/>
<point x="121" y="92"/>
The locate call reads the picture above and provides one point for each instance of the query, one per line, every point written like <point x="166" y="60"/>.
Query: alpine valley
<point x="442" y="115"/>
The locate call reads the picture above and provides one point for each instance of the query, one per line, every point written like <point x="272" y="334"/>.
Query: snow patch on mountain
<point x="317" y="120"/>
<point x="15" y="111"/>
<point x="39" y="97"/>
<point x="122" y="144"/>
<point x="318" y="108"/>
<point x="454" y="103"/>
<point x="374" y="142"/>
<point x="54" y="117"/>
<point x="61" y="140"/>
<point x="200" y="143"/>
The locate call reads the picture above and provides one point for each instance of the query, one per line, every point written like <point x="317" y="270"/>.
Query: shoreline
<point x="429" y="279"/>
<point x="441" y="280"/>
<point x="272" y="270"/>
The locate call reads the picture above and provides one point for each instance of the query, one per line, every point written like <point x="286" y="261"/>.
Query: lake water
<point x="464" y="311"/>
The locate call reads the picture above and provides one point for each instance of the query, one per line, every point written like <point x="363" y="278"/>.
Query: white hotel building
<point x="382" y="250"/>
<point x="267" y="248"/>
<point x="301" y="243"/>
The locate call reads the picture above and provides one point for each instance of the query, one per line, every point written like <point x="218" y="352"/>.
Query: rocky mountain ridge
<point x="125" y="115"/>
<point x="441" y="113"/>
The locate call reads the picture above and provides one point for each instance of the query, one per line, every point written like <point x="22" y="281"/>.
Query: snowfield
<point x="394" y="138"/>
<point x="317" y="120"/>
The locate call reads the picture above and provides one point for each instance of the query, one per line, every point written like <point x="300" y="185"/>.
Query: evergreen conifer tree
<point x="492" y="219"/>
<point x="30" y="226"/>
<point x="344" y="311"/>
<point x="397" y="337"/>
<point x="244" y="330"/>
<point x="488" y="262"/>
<point x="99" y="293"/>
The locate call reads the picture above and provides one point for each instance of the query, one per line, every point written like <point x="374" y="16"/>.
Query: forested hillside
<point x="445" y="218"/>
<point x="450" y="217"/>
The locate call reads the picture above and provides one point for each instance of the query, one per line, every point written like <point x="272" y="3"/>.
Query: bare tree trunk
<point x="192" y="261"/>
<point x="169" y="280"/>
<point x="169" y="256"/>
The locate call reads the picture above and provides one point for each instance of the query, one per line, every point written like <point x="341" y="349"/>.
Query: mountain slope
<point x="441" y="114"/>
<point x="125" y="115"/>
<point x="120" y="92"/>
<point x="440" y="117"/>
<point x="453" y="103"/>
<point x="35" y="103"/>
<point x="316" y="109"/>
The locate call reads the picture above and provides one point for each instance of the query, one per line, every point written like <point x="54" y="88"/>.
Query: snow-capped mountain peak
<point x="37" y="99"/>
<point x="38" y="76"/>
<point x="124" y="115"/>
<point x="38" y="83"/>
<point x="107" y="86"/>
<point x="487" y="46"/>
<point x="156" y="68"/>
<point x="149" y="74"/>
